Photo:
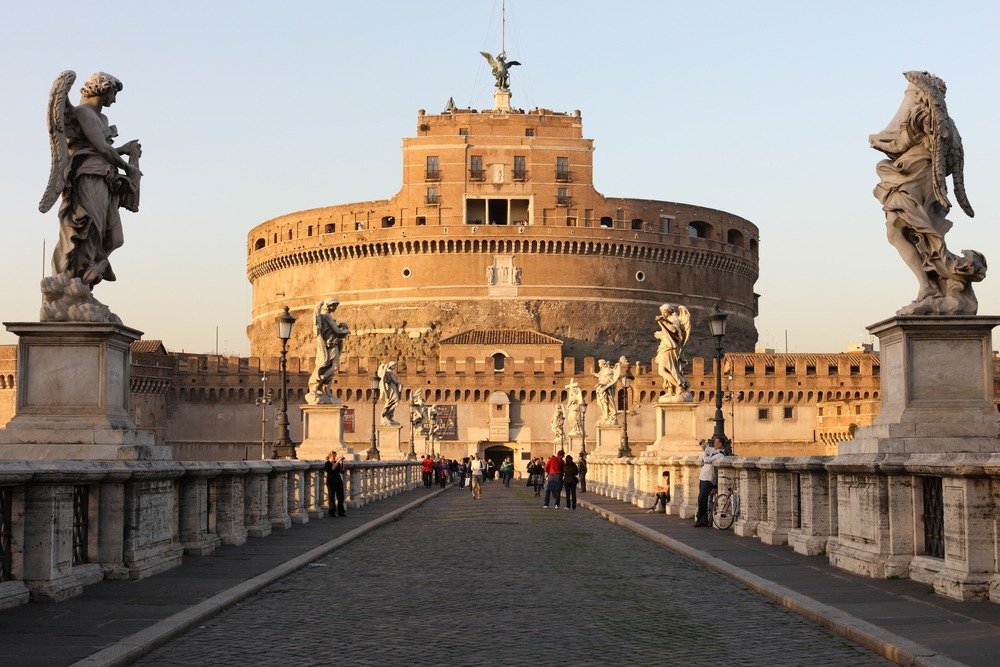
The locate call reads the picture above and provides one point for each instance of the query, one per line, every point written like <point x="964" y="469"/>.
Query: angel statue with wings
<point x="923" y="148"/>
<point x="675" y="329"/>
<point x="330" y="337"/>
<point x="94" y="180"/>
<point x="390" y="388"/>
<point x="607" y="379"/>
<point x="501" y="68"/>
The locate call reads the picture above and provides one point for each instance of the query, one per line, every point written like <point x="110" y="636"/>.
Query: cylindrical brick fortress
<point x="498" y="226"/>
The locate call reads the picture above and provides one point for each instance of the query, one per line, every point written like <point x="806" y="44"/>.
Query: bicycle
<point x="724" y="508"/>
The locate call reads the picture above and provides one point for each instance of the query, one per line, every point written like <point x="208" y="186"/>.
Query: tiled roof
<point x="501" y="337"/>
<point x="148" y="347"/>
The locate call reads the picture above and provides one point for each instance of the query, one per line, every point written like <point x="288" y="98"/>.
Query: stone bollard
<point x="277" y="494"/>
<point x="256" y="502"/>
<point x="230" y="510"/>
<point x="196" y="508"/>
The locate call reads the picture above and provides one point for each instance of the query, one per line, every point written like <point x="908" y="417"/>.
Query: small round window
<point x="406" y="273"/>
<point x="640" y="276"/>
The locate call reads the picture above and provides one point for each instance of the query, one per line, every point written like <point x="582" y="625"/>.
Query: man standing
<point x="427" y="470"/>
<point x="476" y="470"/>
<point x="707" y="478"/>
<point x="554" y="469"/>
<point x="334" y="468"/>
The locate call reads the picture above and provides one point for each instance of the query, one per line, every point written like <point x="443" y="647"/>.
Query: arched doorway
<point x="496" y="454"/>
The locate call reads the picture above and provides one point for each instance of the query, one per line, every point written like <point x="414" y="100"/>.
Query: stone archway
<point x="497" y="454"/>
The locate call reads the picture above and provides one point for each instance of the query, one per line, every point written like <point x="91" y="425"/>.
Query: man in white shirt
<point x="476" y="470"/>
<point x="707" y="478"/>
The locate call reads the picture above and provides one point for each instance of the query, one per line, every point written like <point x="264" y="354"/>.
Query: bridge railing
<point x="934" y="518"/>
<point x="67" y="524"/>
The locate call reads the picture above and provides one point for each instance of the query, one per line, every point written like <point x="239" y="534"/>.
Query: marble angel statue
<point x="573" y="409"/>
<point x="923" y="148"/>
<point x="94" y="179"/>
<point x="607" y="379"/>
<point x="674" y="331"/>
<point x="390" y="388"/>
<point x="330" y="336"/>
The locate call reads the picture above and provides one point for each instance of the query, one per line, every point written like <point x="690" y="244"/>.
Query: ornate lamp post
<point x="412" y="454"/>
<point x="373" y="453"/>
<point x="284" y="448"/>
<point x="717" y="321"/>
<point x="583" y="427"/>
<point x="624" y="451"/>
<point x="265" y="399"/>
<point x="432" y="426"/>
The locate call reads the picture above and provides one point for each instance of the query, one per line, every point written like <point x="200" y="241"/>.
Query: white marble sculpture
<point x="607" y="379"/>
<point x="94" y="180"/>
<point x="418" y="410"/>
<point x="573" y="410"/>
<point x="923" y="148"/>
<point x="330" y="336"/>
<point x="674" y="330"/>
<point x="558" y="424"/>
<point x="390" y="389"/>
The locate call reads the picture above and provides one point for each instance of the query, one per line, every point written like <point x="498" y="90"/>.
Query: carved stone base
<point x="608" y="441"/>
<point x="322" y="432"/>
<point x="390" y="444"/>
<point x="937" y="388"/>
<point x="676" y="431"/>
<point x="73" y="393"/>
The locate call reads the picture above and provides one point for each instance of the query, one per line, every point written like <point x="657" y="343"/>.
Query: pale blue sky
<point x="255" y="109"/>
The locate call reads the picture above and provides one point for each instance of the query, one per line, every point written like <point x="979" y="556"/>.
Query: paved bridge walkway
<point x="501" y="581"/>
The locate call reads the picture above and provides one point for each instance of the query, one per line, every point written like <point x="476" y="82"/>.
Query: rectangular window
<point x="665" y="224"/>
<point x="433" y="195"/>
<point x="310" y="232"/>
<point x="810" y="369"/>
<point x="790" y="369"/>
<point x="789" y="413"/>
<point x="763" y="414"/>
<point x="562" y="169"/>
<point x="855" y="370"/>
<point x="562" y="196"/>
<point x="520" y="170"/>
<point x="832" y="369"/>
<point x="330" y="229"/>
<point x="421" y="221"/>
<point x="875" y="371"/>
<point x="463" y="131"/>
<point x="359" y="226"/>
<point x="768" y="370"/>
<point x="433" y="170"/>
<point x="839" y="410"/>
<point x="857" y="409"/>
<point x="529" y="132"/>
<point x="748" y="369"/>
<point x="819" y="412"/>
<point x="476" y="172"/>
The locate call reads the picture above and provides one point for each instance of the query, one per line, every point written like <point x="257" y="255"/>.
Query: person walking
<point x="507" y="471"/>
<point x="427" y="469"/>
<point x="476" y="469"/>
<point x="536" y="475"/>
<point x="707" y="478"/>
<point x="442" y="472"/>
<point x="570" y="477"/>
<point x="334" y="468"/>
<point x="553" y="486"/>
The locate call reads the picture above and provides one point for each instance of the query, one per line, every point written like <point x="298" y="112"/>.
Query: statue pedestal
<point x="937" y="388"/>
<point x="73" y="395"/>
<point x="676" y="431"/>
<point x="390" y="445"/>
<point x="608" y="441"/>
<point x="322" y="431"/>
<point x="937" y="409"/>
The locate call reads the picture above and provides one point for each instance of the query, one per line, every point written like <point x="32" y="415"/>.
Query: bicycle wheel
<point x="723" y="515"/>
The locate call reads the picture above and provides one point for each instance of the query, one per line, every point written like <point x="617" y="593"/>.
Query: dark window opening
<point x="520" y="169"/>
<point x="329" y="229"/>
<point x="421" y="220"/>
<point x="498" y="361"/>
<point x="562" y="169"/>
<point x="258" y="244"/>
<point x="529" y="132"/>
<point x="476" y="172"/>
<point x="637" y="224"/>
<point x="607" y="222"/>
<point x="433" y="169"/>
<point x="388" y="221"/>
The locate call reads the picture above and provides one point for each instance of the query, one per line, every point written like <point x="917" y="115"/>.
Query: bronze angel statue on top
<point x="501" y="68"/>
<point x="94" y="180"/>
<point x="923" y="148"/>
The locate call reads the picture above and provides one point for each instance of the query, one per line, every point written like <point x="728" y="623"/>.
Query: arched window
<point x="607" y="222"/>
<point x="700" y="230"/>
<point x="735" y="237"/>
<point x="259" y="244"/>
<point x="498" y="361"/>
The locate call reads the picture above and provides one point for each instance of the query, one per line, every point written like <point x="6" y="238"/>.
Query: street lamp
<point x="432" y="426"/>
<point x="583" y="427"/>
<point x="624" y="451"/>
<point x="265" y="399"/>
<point x="717" y="322"/>
<point x="373" y="453"/>
<point x="414" y="420"/>
<point x="284" y="448"/>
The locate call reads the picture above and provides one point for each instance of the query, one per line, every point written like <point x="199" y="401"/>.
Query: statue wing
<point x="954" y="162"/>
<point x="489" y="56"/>
<point x="684" y="317"/>
<point x="58" y="110"/>
<point x="512" y="63"/>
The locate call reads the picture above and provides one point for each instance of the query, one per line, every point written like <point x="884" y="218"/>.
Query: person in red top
<point x="427" y="468"/>
<point x="554" y="469"/>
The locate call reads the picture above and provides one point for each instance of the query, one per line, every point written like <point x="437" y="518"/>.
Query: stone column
<point x="277" y="494"/>
<point x="774" y="527"/>
<point x="817" y="496"/>
<point x="196" y="528"/>
<point x="297" y="510"/>
<point x="750" y="497"/>
<point x="111" y="543"/>
<point x="256" y="519"/>
<point x="150" y="501"/>
<point x="229" y="503"/>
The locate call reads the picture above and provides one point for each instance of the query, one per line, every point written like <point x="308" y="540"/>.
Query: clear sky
<point x="248" y="110"/>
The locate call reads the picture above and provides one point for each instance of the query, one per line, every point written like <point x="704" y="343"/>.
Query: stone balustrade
<point x="67" y="524"/>
<point x="937" y="516"/>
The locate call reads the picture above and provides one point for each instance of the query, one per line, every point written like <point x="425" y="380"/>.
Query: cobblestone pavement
<point x="503" y="581"/>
